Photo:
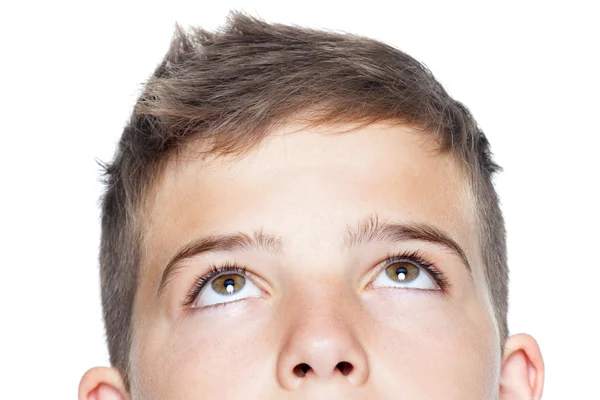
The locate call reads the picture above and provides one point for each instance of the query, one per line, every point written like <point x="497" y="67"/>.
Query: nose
<point x="321" y="345"/>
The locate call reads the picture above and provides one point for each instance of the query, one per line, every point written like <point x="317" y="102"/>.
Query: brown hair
<point x="231" y="87"/>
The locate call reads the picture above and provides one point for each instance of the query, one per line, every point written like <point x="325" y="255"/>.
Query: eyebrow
<point x="368" y="230"/>
<point x="371" y="229"/>
<point x="220" y="243"/>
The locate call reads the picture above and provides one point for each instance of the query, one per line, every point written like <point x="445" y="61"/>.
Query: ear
<point x="522" y="371"/>
<point x="102" y="383"/>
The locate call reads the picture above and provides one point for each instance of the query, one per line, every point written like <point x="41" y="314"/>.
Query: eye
<point x="223" y="288"/>
<point x="406" y="274"/>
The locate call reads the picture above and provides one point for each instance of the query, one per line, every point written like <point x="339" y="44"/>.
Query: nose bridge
<point x="324" y="308"/>
<point x="321" y="340"/>
<point x="321" y="323"/>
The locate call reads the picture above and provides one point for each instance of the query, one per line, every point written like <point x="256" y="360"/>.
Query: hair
<point x="230" y="88"/>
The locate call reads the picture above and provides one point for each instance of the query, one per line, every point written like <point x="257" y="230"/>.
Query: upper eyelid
<point x="392" y="258"/>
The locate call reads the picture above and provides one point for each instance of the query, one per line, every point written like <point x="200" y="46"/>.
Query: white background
<point x="70" y="73"/>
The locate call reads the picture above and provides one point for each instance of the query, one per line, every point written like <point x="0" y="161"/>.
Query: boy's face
<point x="320" y="312"/>
<point x="352" y="270"/>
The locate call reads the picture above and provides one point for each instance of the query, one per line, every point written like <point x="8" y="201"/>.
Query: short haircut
<point x="230" y="88"/>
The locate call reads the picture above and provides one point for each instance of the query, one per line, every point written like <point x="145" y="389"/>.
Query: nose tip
<point x="322" y="352"/>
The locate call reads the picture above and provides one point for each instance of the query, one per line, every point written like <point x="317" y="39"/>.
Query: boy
<point x="294" y="213"/>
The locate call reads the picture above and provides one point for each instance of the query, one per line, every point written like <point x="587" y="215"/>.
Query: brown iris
<point x="402" y="272"/>
<point x="228" y="284"/>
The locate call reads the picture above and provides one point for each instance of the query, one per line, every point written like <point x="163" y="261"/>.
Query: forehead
<point x="308" y="185"/>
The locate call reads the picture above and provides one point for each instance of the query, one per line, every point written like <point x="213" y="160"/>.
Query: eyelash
<point x="420" y="260"/>
<point x="213" y="272"/>
<point x="413" y="256"/>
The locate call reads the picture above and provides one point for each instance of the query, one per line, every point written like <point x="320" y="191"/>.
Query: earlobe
<point x="522" y="372"/>
<point x="102" y="383"/>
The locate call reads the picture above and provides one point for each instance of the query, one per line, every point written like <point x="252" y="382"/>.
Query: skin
<point x="317" y="303"/>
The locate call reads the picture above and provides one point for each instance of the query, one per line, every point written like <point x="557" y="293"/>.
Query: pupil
<point x="229" y="282"/>
<point x="401" y="270"/>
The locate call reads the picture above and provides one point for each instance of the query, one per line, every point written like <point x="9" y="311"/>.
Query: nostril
<point x="345" y="368"/>
<point x="300" y="370"/>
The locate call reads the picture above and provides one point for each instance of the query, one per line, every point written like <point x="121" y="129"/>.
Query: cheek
<point x="206" y="358"/>
<point x="436" y="349"/>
